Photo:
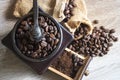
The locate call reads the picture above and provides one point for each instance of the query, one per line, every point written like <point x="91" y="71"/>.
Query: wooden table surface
<point x="105" y="68"/>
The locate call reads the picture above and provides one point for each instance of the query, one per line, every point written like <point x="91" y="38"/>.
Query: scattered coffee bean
<point x="110" y="44"/>
<point x="116" y="39"/>
<point x="112" y="31"/>
<point x="95" y="22"/>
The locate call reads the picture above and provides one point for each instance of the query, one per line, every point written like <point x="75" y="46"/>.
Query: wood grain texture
<point x="105" y="68"/>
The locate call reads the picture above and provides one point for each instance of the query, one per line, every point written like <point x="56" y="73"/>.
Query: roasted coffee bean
<point x="56" y="41"/>
<point x="49" y="47"/>
<point x="30" y="47"/>
<point x="20" y="46"/>
<point x="103" y="34"/>
<point x="42" y="19"/>
<point x="43" y="44"/>
<point x="38" y="51"/>
<point x="26" y="27"/>
<point x="23" y="52"/>
<point x="21" y="35"/>
<point x="45" y="24"/>
<point x="17" y="35"/>
<point x="49" y="40"/>
<point x="43" y="39"/>
<point x="58" y="35"/>
<point x="19" y="30"/>
<point x="75" y="64"/>
<point x="112" y="31"/>
<point x="30" y="23"/>
<point x="101" y="54"/>
<point x="52" y="42"/>
<point x="34" y="55"/>
<point x="24" y="23"/>
<point x="73" y="4"/>
<point x="70" y="6"/>
<point x="110" y="35"/>
<point x="106" y="40"/>
<point x="102" y="27"/>
<point x="46" y="29"/>
<point x="107" y="49"/>
<point x="106" y="30"/>
<point x="29" y="19"/>
<point x="25" y="48"/>
<point x="95" y="22"/>
<point x="70" y="47"/>
<point x="42" y="24"/>
<point x="114" y="38"/>
<point x="45" y="54"/>
<point x="56" y="31"/>
<point x="67" y="11"/>
<point x="110" y="44"/>
<point x="105" y="45"/>
<point x="22" y="26"/>
<point x="49" y="22"/>
<point x="28" y="53"/>
<point x="52" y="36"/>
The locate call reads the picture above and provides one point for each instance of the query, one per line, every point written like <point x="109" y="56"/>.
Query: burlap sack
<point x="55" y="8"/>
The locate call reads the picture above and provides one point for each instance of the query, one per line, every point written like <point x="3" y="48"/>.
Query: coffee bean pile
<point x="82" y="30"/>
<point x="77" y="63"/>
<point x="28" y="46"/>
<point x="96" y="44"/>
<point x="68" y="64"/>
<point x="68" y="10"/>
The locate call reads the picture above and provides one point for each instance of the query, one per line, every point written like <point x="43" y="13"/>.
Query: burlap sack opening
<point x="56" y="9"/>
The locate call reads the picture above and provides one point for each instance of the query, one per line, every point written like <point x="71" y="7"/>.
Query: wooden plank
<point x="59" y="73"/>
